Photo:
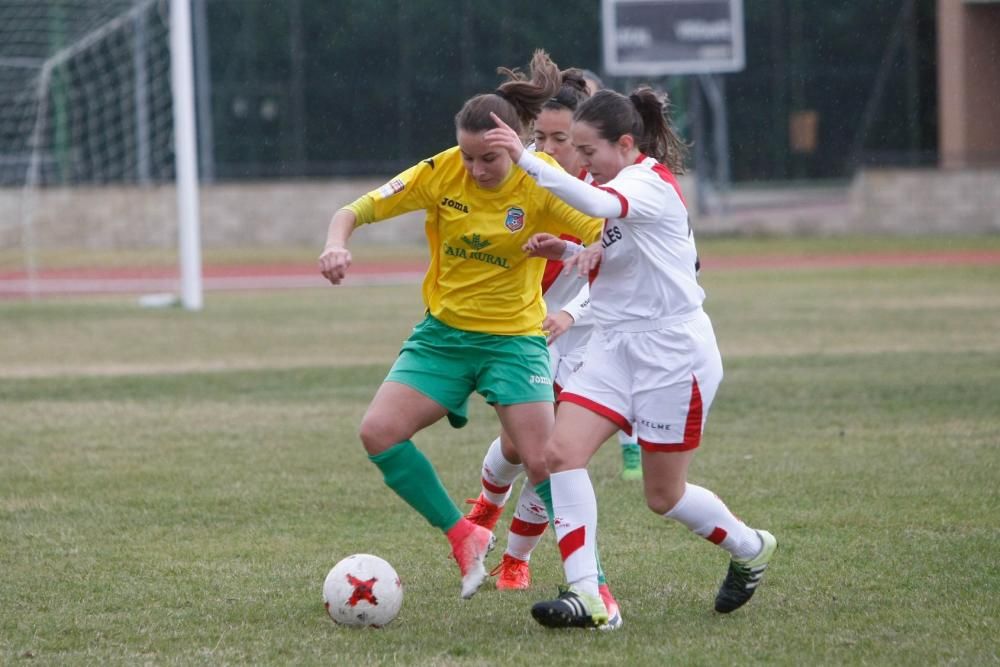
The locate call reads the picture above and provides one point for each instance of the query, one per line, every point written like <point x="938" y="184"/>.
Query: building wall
<point x="232" y="215"/>
<point x="926" y="201"/>
<point x="882" y="201"/>
<point x="968" y="83"/>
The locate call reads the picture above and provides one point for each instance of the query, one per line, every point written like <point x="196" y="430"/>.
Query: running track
<point x="66" y="282"/>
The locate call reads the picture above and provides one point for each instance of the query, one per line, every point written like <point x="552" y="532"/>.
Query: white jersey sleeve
<point x="585" y="198"/>
<point x="647" y="270"/>
<point x="642" y="198"/>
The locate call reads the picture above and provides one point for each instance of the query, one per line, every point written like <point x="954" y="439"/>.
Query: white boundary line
<point x="73" y="286"/>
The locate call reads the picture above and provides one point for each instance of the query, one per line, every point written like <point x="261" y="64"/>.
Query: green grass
<point x="175" y="486"/>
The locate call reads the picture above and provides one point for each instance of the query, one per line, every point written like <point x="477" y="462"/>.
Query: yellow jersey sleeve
<point x="363" y="209"/>
<point x="573" y="222"/>
<point x="408" y="191"/>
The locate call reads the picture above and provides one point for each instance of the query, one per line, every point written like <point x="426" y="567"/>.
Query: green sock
<point x="544" y="491"/>
<point x="408" y="472"/>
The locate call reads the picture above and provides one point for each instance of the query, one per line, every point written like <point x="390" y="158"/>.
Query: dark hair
<point x="645" y="115"/>
<point x="572" y="92"/>
<point x="590" y="76"/>
<point x="517" y="101"/>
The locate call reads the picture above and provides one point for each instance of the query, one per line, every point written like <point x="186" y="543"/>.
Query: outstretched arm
<point x="581" y="196"/>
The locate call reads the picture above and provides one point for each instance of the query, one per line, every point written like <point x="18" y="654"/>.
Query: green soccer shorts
<point x="448" y="364"/>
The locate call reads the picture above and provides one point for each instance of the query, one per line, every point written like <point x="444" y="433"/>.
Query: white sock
<point x="498" y="474"/>
<point x="704" y="513"/>
<point x="528" y="524"/>
<point x="575" y="508"/>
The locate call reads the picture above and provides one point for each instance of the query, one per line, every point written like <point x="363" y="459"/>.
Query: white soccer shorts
<point x="566" y="354"/>
<point x="662" y="380"/>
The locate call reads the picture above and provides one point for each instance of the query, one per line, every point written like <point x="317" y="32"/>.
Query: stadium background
<point x="834" y="125"/>
<point x="317" y="88"/>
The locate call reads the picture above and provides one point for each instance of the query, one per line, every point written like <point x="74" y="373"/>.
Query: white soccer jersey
<point x="647" y="277"/>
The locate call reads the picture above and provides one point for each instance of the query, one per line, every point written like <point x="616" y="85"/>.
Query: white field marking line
<point x="182" y="367"/>
<point x="22" y="287"/>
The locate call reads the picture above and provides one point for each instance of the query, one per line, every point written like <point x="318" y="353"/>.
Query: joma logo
<point x="452" y="203"/>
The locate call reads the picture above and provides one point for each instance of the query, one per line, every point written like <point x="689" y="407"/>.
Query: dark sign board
<point x="657" y="37"/>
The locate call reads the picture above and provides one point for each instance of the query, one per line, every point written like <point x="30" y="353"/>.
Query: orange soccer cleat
<point x="514" y="574"/>
<point x="469" y="546"/>
<point x="483" y="512"/>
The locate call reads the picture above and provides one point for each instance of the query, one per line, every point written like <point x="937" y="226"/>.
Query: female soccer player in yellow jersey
<point x="482" y="331"/>
<point x="568" y="326"/>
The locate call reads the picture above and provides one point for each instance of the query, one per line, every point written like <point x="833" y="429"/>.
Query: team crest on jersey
<point x="515" y="219"/>
<point x="393" y="187"/>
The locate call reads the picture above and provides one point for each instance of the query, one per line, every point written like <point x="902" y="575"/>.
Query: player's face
<point x="552" y="136"/>
<point x="602" y="158"/>
<point x="488" y="166"/>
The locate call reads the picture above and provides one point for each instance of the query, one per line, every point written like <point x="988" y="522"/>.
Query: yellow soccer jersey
<point x="479" y="279"/>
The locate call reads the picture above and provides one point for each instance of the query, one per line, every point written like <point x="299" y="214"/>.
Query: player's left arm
<point x="581" y="196"/>
<point x="579" y="306"/>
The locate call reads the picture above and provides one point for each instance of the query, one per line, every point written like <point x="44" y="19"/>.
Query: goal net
<point x="86" y="131"/>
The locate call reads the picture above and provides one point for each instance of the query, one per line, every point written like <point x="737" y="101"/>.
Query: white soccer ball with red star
<point x="362" y="590"/>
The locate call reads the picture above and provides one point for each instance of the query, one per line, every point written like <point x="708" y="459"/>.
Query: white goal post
<point x="97" y="104"/>
<point x="186" y="149"/>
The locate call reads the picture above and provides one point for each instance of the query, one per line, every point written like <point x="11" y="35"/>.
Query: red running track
<point x="66" y="282"/>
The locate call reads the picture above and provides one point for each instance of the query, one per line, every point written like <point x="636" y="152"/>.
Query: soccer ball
<point x="362" y="590"/>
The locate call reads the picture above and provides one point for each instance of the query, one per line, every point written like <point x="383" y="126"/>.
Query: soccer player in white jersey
<point x="568" y="326"/>
<point x="653" y="359"/>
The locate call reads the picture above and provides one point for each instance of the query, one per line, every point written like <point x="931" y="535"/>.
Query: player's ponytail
<point x="571" y="93"/>
<point x="658" y="137"/>
<point x="645" y="115"/>
<point x="517" y="101"/>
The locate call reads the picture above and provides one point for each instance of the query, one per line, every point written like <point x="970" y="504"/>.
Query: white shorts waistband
<point x="637" y="326"/>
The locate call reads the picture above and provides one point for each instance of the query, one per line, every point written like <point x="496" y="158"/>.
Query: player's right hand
<point x="505" y="138"/>
<point x="545" y="245"/>
<point x="334" y="262"/>
<point x="584" y="261"/>
<point x="556" y="325"/>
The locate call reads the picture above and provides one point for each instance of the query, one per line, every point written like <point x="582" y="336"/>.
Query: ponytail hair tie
<point x="501" y="94"/>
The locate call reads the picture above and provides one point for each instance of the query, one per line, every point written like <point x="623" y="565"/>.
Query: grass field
<point x="175" y="486"/>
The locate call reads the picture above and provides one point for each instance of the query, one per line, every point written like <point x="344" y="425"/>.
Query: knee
<point x="378" y="435"/>
<point x="535" y="467"/>
<point x="662" y="500"/>
<point x="556" y="459"/>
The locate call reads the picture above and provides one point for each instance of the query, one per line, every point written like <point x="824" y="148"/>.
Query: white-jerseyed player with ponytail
<point x="653" y="359"/>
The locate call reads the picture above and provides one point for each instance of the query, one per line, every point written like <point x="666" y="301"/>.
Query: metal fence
<point x="314" y="88"/>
